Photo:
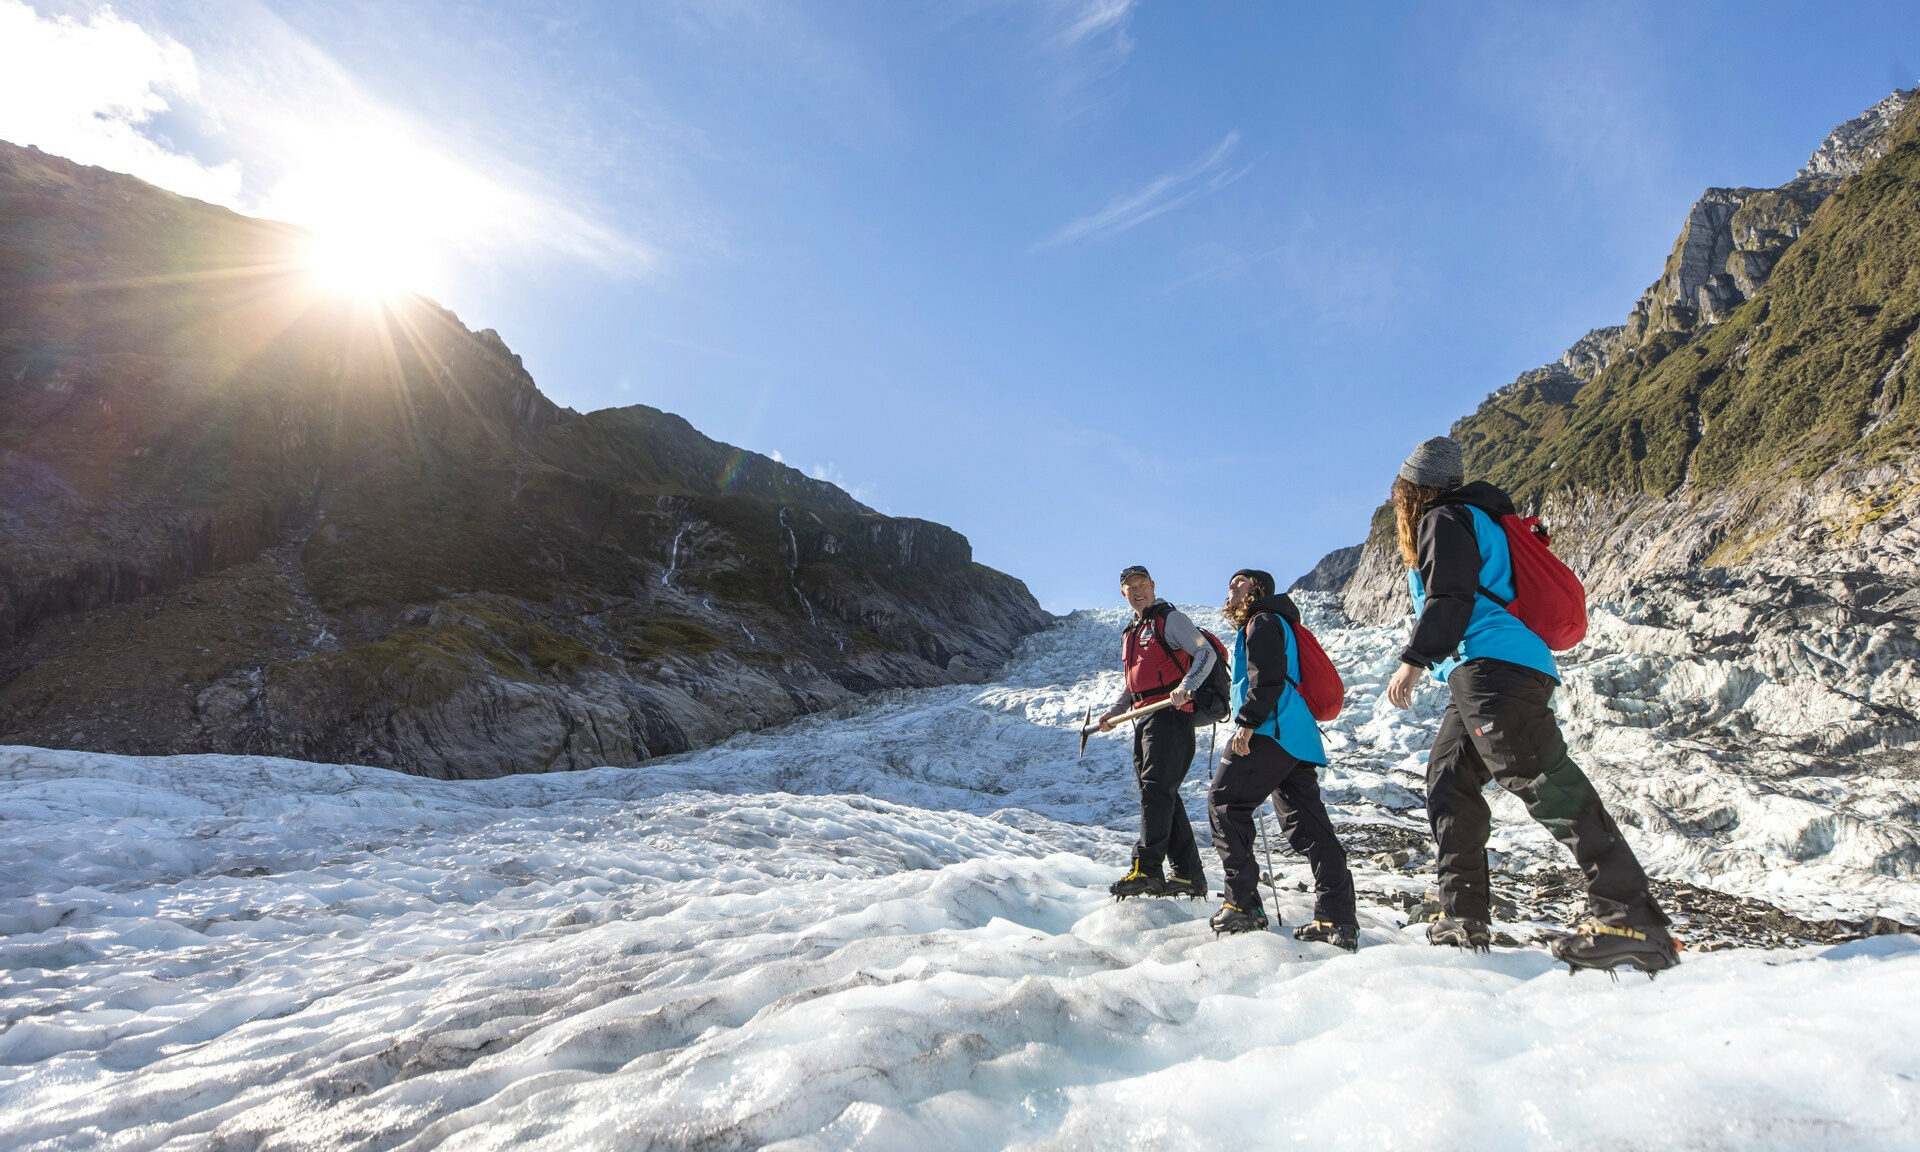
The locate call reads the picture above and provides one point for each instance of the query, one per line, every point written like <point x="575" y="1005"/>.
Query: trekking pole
<point x="1266" y="846"/>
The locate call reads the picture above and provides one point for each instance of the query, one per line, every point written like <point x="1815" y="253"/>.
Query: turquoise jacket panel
<point x="1493" y="632"/>
<point x="1290" y="724"/>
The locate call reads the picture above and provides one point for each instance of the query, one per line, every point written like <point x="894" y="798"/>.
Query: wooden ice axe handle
<point x="1143" y="710"/>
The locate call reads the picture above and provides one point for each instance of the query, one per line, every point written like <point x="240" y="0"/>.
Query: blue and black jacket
<point x="1461" y="549"/>
<point x="1266" y="670"/>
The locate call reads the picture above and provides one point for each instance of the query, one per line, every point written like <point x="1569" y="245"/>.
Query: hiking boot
<point x="1231" y="920"/>
<point x="1136" y="883"/>
<point x="1193" y="888"/>
<point x="1461" y="933"/>
<point x="1607" y="946"/>
<point x="1342" y="936"/>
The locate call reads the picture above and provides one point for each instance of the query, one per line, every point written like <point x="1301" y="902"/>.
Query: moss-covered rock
<point x="1815" y="368"/>
<point x="1774" y="355"/>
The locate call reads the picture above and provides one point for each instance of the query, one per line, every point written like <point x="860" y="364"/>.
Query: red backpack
<point x="1320" y="684"/>
<point x="1547" y="596"/>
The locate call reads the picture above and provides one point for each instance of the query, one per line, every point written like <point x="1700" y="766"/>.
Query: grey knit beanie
<point x="1436" y="463"/>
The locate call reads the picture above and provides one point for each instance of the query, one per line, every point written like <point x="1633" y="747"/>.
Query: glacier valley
<point x="888" y="927"/>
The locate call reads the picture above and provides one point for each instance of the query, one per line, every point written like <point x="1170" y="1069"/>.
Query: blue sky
<point x="1094" y="282"/>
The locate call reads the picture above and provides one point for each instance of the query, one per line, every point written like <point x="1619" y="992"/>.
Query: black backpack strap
<point x="1483" y="589"/>
<point x="1286" y="679"/>
<point x="1160" y="633"/>
<point x="1285" y="632"/>
<point x="1495" y="517"/>
<point x="1155" y="611"/>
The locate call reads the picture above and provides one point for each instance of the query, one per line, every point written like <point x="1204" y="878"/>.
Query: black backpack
<point x="1213" y="699"/>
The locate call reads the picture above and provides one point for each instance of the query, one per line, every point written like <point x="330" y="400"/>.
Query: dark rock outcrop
<point x="1331" y="573"/>
<point x="243" y="515"/>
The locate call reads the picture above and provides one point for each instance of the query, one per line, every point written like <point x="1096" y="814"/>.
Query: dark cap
<point x="1132" y="570"/>
<point x="1263" y="579"/>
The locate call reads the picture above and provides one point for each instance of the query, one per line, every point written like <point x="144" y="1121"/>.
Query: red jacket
<point x="1154" y="667"/>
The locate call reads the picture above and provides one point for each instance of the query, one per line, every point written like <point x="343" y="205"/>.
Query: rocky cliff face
<point x="1332" y="573"/>
<point x="1736" y="477"/>
<point x="1755" y="407"/>
<point x="244" y="516"/>
<point x="1849" y="149"/>
<point x="1733" y="237"/>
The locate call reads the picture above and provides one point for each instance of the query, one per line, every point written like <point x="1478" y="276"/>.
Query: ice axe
<point x="1088" y="727"/>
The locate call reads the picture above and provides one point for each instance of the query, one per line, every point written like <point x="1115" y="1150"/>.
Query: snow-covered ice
<point x="888" y="928"/>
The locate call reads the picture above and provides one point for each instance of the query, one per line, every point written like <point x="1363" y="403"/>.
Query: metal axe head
<point x="1085" y="731"/>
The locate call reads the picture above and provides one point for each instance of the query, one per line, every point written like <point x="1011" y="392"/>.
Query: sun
<point x="366" y="263"/>
<point x="387" y="214"/>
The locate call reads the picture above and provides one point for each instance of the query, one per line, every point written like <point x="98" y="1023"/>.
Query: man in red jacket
<point x="1164" y="655"/>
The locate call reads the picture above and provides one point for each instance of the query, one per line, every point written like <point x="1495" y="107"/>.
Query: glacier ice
<point x="888" y="927"/>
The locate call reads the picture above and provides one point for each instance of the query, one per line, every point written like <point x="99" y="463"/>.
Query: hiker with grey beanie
<point x="1499" y="724"/>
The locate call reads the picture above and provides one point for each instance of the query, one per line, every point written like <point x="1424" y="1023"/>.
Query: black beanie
<point x="1264" y="579"/>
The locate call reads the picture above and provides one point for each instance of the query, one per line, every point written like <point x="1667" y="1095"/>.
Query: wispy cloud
<point x="1101" y="27"/>
<point x="783" y="49"/>
<point x="1591" y="90"/>
<point x="90" y="89"/>
<point x="1322" y="278"/>
<point x="1064" y="48"/>
<point x="1204" y="177"/>
<point x="1084" y="42"/>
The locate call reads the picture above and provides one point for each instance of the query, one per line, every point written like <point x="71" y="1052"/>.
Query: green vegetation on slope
<point x="1815" y="368"/>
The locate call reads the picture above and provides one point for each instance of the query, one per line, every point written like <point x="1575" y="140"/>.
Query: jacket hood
<point x="1481" y="495"/>
<point x="1281" y="605"/>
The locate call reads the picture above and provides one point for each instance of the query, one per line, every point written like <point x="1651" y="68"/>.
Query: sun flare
<point x="381" y="212"/>
<point x="365" y="265"/>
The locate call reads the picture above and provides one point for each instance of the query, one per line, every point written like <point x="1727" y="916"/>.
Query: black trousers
<point x="1162" y="755"/>
<point x="1499" y="726"/>
<point x="1239" y="787"/>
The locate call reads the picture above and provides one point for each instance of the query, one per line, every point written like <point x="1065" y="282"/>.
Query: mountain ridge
<point x="1755" y="407"/>
<point x="254" y="517"/>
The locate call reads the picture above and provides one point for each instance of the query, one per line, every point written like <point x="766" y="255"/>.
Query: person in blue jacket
<point x="1499" y="723"/>
<point x="1275" y="751"/>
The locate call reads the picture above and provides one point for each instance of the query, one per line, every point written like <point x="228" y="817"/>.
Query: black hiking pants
<point x="1239" y="788"/>
<point x="1162" y="755"/>
<point x="1499" y="726"/>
